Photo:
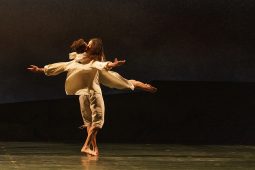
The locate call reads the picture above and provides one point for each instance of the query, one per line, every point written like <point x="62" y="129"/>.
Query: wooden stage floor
<point x="36" y="156"/>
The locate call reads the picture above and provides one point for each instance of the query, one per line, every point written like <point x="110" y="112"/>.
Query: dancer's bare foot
<point x="88" y="151"/>
<point x="96" y="151"/>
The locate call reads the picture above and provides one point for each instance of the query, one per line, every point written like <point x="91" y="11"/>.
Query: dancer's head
<point x="79" y="46"/>
<point x="95" y="48"/>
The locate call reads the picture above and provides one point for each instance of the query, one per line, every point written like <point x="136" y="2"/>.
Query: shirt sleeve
<point x="114" y="80"/>
<point x="55" y="68"/>
<point x="100" y="65"/>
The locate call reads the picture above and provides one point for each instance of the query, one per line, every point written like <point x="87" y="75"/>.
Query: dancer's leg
<point x="88" y="142"/>
<point x="94" y="143"/>
<point x="143" y="86"/>
<point x="98" y="109"/>
<point x="88" y="129"/>
<point x="87" y="118"/>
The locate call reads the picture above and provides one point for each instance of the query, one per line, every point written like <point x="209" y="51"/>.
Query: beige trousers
<point x="92" y="109"/>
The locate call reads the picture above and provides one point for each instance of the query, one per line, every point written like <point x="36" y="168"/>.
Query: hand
<point x="116" y="63"/>
<point x="35" y="69"/>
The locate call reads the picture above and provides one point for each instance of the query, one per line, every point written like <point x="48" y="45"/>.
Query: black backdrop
<point x="178" y="40"/>
<point x="201" y="52"/>
<point x="181" y="112"/>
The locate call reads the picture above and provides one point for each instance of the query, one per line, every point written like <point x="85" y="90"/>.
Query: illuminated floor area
<point x="35" y="156"/>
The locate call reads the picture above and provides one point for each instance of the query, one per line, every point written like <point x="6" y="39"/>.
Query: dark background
<point x="199" y="53"/>
<point x="177" y="40"/>
<point x="181" y="113"/>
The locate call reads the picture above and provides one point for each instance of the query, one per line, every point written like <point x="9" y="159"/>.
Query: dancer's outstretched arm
<point x="50" y="69"/>
<point x="114" y="80"/>
<point x="116" y="63"/>
<point x="108" y="65"/>
<point x="35" y="69"/>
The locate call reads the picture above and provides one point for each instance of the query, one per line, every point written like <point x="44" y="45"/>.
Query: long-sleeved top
<point x="84" y="76"/>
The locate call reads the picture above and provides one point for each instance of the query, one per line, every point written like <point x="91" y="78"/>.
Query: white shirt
<point x="82" y="79"/>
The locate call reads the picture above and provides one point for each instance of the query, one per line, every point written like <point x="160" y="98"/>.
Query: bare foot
<point x="88" y="151"/>
<point x="96" y="151"/>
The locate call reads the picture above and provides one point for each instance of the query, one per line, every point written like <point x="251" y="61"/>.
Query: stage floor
<point x="35" y="156"/>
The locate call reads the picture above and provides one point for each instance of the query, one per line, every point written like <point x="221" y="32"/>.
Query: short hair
<point x="78" y="46"/>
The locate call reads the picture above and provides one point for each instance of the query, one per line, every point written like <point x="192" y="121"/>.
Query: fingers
<point x="32" y="68"/>
<point x="116" y="60"/>
<point x="122" y="61"/>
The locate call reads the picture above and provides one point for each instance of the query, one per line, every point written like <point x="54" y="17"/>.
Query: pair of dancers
<point x="85" y="72"/>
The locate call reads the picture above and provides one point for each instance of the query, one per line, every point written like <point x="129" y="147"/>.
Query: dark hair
<point x="78" y="46"/>
<point x="97" y="49"/>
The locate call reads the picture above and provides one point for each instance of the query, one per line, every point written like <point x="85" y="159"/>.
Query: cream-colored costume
<point x="83" y="77"/>
<point x="108" y="78"/>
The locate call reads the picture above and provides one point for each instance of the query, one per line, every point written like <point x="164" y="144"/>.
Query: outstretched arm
<point x="114" y="80"/>
<point x="116" y="63"/>
<point x="50" y="69"/>
<point x="107" y="65"/>
<point x="35" y="69"/>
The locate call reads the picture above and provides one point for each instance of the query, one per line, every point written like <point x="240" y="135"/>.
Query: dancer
<point x="79" y="48"/>
<point x="108" y="78"/>
<point x="83" y="80"/>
